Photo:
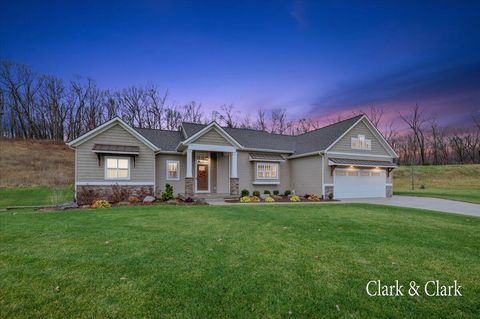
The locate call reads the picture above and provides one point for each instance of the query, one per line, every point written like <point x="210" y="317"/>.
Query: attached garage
<point x="359" y="178"/>
<point x="359" y="183"/>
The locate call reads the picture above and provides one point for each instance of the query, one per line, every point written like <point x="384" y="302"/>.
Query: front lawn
<point x="31" y="196"/>
<point x="455" y="182"/>
<point x="290" y="261"/>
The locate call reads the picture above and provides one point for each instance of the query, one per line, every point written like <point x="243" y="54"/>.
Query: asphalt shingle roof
<point x="313" y="141"/>
<point x="165" y="140"/>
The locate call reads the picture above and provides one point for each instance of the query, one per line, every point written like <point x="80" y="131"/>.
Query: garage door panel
<point x="354" y="183"/>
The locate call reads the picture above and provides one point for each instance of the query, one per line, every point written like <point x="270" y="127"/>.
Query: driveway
<point x="441" y="205"/>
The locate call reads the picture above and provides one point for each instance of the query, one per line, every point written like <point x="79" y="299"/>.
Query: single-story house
<point x="349" y="159"/>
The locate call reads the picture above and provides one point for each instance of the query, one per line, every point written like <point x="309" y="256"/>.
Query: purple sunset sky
<point x="317" y="59"/>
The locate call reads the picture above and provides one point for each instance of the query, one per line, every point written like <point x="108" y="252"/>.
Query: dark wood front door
<point x="202" y="177"/>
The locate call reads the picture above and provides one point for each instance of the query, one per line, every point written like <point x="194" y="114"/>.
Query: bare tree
<point x="278" y="121"/>
<point x="227" y="115"/>
<point x="261" y="122"/>
<point x="416" y="122"/>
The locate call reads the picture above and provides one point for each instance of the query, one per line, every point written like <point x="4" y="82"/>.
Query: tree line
<point x="40" y="106"/>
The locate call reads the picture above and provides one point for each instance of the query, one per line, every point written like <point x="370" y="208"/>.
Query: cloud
<point x="451" y="94"/>
<point x="298" y="13"/>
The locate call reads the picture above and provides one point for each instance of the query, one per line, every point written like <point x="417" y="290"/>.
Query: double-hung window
<point x="361" y="143"/>
<point x="267" y="170"/>
<point x="173" y="170"/>
<point x="117" y="168"/>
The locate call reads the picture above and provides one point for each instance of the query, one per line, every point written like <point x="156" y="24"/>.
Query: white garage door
<point x="357" y="183"/>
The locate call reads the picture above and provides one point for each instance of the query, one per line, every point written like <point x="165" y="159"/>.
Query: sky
<point x="317" y="59"/>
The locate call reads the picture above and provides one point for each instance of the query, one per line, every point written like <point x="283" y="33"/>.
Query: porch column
<point x="189" y="182"/>
<point x="189" y="163"/>
<point x="233" y="174"/>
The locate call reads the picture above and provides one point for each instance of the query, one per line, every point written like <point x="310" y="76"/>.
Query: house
<point x="349" y="158"/>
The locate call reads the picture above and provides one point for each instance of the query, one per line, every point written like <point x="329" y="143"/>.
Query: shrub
<point x="269" y="199"/>
<point x="276" y="192"/>
<point x="287" y="192"/>
<point x="313" y="198"/>
<point x="244" y="193"/>
<point x="133" y="199"/>
<point x="294" y="198"/>
<point x="267" y="192"/>
<point x="168" y="193"/>
<point x="256" y="193"/>
<point x="245" y="199"/>
<point x="255" y="199"/>
<point x="189" y="200"/>
<point x="330" y="196"/>
<point x="422" y="186"/>
<point x="101" y="203"/>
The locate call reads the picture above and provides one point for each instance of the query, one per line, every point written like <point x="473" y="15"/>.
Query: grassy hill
<point x="35" y="163"/>
<point x="456" y="182"/>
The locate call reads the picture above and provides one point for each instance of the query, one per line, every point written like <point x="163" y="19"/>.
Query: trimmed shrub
<point x="133" y="199"/>
<point x="255" y="199"/>
<point x="101" y="203"/>
<point x="330" y="196"/>
<point x="269" y="199"/>
<point x="314" y="198"/>
<point x="276" y="192"/>
<point x="245" y="199"/>
<point x="294" y="198"/>
<point x="267" y="192"/>
<point x="168" y="193"/>
<point x="256" y="193"/>
<point x="244" y="193"/>
<point x="287" y="192"/>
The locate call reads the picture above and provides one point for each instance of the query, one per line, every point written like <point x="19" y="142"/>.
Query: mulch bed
<point x="281" y="199"/>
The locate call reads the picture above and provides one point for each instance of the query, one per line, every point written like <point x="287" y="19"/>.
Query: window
<point x="173" y="170"/>
<point x="267" y="171"/>
<point x="352" y="173"/>
<point x="364" y="173"/>
<point x="361" y="143"/>
<point x="117" y="168"/>
<point x="376" y="174"/>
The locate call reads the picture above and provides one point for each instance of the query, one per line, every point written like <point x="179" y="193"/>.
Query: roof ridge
<point x="155" y="129"/>
<point x="321" y="128"/>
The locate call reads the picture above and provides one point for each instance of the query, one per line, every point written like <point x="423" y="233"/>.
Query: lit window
<point x="352" y="173"/>
<point x="267" y="171"/>
<point x="117" y="168"/>
<point x="361" y="143"/>
<point x="376" y="174"/>
<point x="173" y="170"/>
<point x="364" y="173"/>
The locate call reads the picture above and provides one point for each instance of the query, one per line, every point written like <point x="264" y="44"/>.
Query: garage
<point x="359" y="183"/>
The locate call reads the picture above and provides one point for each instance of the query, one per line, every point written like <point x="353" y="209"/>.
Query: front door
<point x="202" y="177"/>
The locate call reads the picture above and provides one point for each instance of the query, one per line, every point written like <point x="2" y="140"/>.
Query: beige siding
<point x="344" y="145"/>
<point x="88" y="169"/>
<point x="212" y="137"/>
<point x="161" y="173"/>
<point x="223" y="176"/>
<point x="306" y="173"/>
<point x="246" y="175"/>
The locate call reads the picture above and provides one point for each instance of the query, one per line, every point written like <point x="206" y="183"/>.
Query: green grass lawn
<point x="26" y="196"/>
<point x="265" y="261"/>
<point x="455" y="182"/>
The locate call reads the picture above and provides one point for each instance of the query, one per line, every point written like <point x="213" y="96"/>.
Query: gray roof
<point x="313" y="141"/>
<point x="163" y="139"/>
<point x="266" y="156"/>
<point x="105" y="148"/>
<point x="355" y="162"/>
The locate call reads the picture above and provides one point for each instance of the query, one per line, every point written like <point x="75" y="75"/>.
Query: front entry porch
<point x="211" y="171"/>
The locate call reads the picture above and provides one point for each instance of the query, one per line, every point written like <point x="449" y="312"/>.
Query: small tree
<point x="168" y="193"/>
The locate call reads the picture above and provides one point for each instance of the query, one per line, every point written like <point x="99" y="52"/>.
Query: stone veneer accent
<point x="189" y="186"/>
<point x="389" y="191"/>
<point x="86" y="194"/>
<point x="328" y="190"/>
<point x="234" y="191"/>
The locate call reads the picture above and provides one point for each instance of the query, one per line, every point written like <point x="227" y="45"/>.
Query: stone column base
<point x="389" y="191"/>
<point x="234" y="187"/>
<point x="87" y="194"/>
<point x="189" y="186"/>
<point x="328" y="190"/>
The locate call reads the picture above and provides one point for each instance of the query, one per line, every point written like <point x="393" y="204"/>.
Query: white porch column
<point x="189" y="163"/>
<point x="234" y="173"/>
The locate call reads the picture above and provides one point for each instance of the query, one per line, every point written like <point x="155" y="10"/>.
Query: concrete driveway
<point x="441" y="205"/>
